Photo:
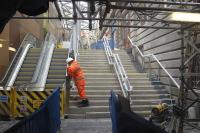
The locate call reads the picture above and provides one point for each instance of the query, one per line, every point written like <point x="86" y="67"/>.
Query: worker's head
<point x="69" y="60"/>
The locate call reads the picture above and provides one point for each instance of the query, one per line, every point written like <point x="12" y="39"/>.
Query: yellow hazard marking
<point x="37" y="103"/>
<point x="4" y="108"/>
<point x="43" y="95"/>
<point x="26" y="104"/>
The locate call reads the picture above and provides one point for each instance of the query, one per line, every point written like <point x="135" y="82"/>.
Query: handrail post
<point x="150" y="68"/>
<point x="134" y="54"/>
<point x="170" y="87"/>
<point x="159" y="72"/>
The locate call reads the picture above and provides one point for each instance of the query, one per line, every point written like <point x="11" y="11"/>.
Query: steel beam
<point x="136" y="26"/>
<point x="86" y="18"/>
<point x="135" y="8"/>
<point x="58" y="9"/>
<point x="80" y="13"/>
<point x="147" y="2"/>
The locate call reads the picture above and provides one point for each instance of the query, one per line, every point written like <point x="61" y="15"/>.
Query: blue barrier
<point x="126" y="121"/>
<point x="44" y="120"/>
<point x="99" y="44"/>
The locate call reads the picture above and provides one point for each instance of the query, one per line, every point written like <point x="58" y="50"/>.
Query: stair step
<point x="102" y="83"/>
<point x="95" y="97"/>
<point x="149" y="96"/>
<point x="96" y="92"/>
<point x="163" y="91"/>
<point x="77" y="110"/>
<point x="87" y="75"/>
<point x="102" y="79"/>
<point x="142" y="107"/>
<point x="99" y="75"/>
<point x="96" y="71"/>
<point x="96" y="68"/>
<point x="93" y="60"/>
<point x="144" y="87"/>
<point x="90" y="115"/>
<point x="92" y="102"/>
<point x="149" y="101"/>
<point x="98" y="56"/>
<point x="94" y="65"/>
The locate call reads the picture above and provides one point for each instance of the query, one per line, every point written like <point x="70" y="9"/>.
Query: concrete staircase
<point x="99" y="81"/>
<point x="145" y="95"/>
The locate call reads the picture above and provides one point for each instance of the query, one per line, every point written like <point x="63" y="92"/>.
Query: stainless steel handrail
<point x="50" y="42"/>
<point x="18" y="65"/>
<point x="41" y="71"/>
<point x="39" y="64"/>
<point x="29" y="38"/>
<point x="119" y="70"/>
<point x="108" y="51"/>
<point x="156" y="59"/>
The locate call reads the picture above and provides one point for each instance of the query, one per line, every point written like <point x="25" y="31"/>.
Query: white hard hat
<point x="69" y="59"/>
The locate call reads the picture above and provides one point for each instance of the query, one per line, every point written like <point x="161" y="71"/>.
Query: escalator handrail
<point x="39" y="63"/>
<point x="50" y="41"/>
<point x="47" y="59"/>
<point x="28" y="37"/>
<point x="18" y="65"/>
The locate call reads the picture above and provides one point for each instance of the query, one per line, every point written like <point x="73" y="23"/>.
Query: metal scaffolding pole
<point x="86" y="18"/>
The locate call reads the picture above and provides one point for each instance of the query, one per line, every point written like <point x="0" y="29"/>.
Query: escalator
<point x="27" y="70"/>
<point x="56" y="75"/>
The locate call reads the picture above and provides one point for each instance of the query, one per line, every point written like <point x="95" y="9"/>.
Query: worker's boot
<point x="84" y="103"/>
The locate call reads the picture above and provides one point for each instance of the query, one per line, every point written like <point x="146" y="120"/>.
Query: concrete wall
<point x="4" y="53"/>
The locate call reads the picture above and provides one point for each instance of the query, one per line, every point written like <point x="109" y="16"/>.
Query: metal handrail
<point x="39" y="63"/>
<point x="18" y="65"/>
<point x="156" y="59"/>
<point x="41" y="71"/>
<point x="28" y="37"/>
<point x="50" y="41"/>
<point x="108" y="51"/>
<point x="119" y="70"/>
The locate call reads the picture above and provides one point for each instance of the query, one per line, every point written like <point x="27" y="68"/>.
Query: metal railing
<point x="114" y="60"/>
<point x="41" y="71"/>
<point x="29" y="38"/>
<point x="156" y="59"/>
<point x="50" y="41"/>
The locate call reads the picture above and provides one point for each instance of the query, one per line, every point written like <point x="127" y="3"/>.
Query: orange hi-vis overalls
<point x="74" y="71"/>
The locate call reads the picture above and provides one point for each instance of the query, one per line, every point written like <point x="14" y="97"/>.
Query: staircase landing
<point x="86" y="126"/>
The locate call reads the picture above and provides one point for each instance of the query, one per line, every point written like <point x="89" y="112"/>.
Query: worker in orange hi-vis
<point x="75" y="72"/>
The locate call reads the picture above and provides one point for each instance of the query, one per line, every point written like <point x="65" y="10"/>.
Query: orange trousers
<point x="81" y="89"/>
